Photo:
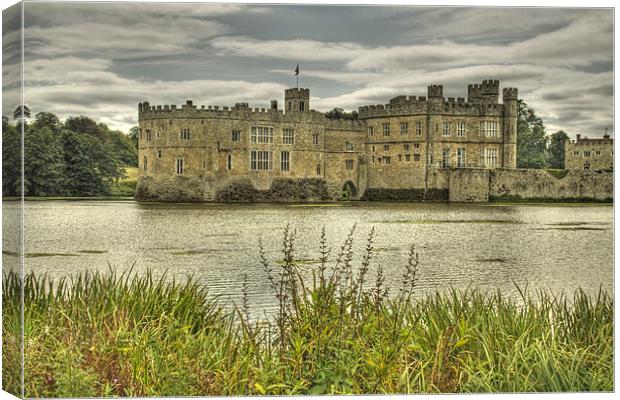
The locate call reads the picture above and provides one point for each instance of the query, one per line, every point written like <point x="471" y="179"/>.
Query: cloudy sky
<point x="102" y="59"/>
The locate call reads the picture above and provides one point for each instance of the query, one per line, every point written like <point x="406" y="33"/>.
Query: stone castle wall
<point x="592" y="154"/>
<point x="414" y="148"/>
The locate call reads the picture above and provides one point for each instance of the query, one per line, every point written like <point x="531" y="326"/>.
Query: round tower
<point x="510" y="97"/>
<point x="297" y="100"/>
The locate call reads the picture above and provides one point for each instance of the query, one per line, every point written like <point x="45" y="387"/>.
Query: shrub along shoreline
<point x="340" y="331"/>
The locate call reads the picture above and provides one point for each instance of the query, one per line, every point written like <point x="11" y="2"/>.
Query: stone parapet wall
<point x="456" y="185"/>
<point x="540" y="184"/>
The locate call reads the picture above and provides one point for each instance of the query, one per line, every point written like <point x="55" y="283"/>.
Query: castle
<point x="192" y="153"/>
<point x="589" y="154"/>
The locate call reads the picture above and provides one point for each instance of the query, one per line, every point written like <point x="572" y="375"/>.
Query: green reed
<point x="337" y="329"/>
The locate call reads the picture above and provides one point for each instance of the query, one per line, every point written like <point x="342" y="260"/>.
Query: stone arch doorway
<point x="349" y="190"/>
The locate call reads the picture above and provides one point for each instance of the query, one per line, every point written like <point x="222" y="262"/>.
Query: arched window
<point x="144" y="163"/>
<point x="318" y="169"/>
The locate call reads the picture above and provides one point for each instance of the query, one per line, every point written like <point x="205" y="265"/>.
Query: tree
<point x="89" y="166"/>
<point x="531" y="138"/>
<point x="83" y="124"/>
<point x="134" y="134"/>
<point x="121" y="145"/>
<point x="17" y="114"/>
<point x="556" y="149"/>
<point x="43" y="162"/>
<point x="339" y="113"/>
<point x="11" y="159"/>
<point x="47" y="120"/>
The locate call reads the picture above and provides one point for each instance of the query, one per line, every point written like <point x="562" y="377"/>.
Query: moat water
<point x="488" y="246"/>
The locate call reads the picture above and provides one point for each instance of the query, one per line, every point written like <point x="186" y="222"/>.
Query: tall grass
<point x="337" y="329"/>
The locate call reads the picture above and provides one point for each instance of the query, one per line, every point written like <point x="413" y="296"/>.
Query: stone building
<point x="241" y="153"/>
<point x="589" y="154"/>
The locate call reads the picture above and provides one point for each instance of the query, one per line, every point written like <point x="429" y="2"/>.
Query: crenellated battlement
<point x="297" y="92"/>
<point x="189" y="110"/>
<point x="510" y="94"/>
<point x="435" y="91"/>
<point x="490" y="87"/>
<point x="481" y="101"/>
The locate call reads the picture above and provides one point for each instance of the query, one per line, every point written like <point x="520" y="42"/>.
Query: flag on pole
<point x="297" y="70"/>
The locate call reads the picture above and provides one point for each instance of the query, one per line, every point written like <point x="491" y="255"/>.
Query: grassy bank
<point x="126" y="187"/>
<point x="340" y="331"/>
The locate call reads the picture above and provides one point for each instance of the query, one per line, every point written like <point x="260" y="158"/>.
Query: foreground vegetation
<point x="337" y="330"/>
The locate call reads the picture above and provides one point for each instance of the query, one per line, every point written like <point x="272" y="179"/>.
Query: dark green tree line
<point x="76" y="158"/>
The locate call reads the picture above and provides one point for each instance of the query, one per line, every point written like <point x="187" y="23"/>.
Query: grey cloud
<point x="101" y="59"/>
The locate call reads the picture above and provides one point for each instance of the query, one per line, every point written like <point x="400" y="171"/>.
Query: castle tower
<point x="489" y="91"/>
<point x="474" y="93"/>
<point x="297" y="100"/>
<point x="435" y="92"/>
<point x="509" y="158"/>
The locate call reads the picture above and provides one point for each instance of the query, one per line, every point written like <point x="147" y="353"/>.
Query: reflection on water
<point x="485" y="246"/>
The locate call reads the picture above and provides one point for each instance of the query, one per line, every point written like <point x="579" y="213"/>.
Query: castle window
<point x="586" y="154"/>
<point x="598" y="152"/>
<point x="416" y="157"/>
<point x="387" y="159"/>
<point x="490" y="156"/>
<point x="185" y="134"/>
<point x="285" y="161"/>
<point x="349" y="146"/>
<point x="446" y="129"/>
<point x="379" y="160"/>
<point x="575" y="153"/>
<point x="445" y="158"/>
<point x="386" y="129"/>
<point x="373" y="148"/>
<point x="288" y="136"/>
<point x="418" y="128"/>
<point x="289" y="106"/>
<point x="400" y="157"/>
<point x="149" y="136"/>
<point x="262" y="134"/>
<point x="180" y="165"/>
<point x="318" y="169"/>
<point x="315" y="138"/>
<point x="159" y="153"/>
<point x="436" y="127"/>
<point x="407" y="157"/>
<point x="404" y="128"/>
<point x="160" y="130"/>
<point x="460" y="157"/>
<point x="371" y="131"/>
<point x="348" y="164"/>
<point x="489" y="128"/>
<point x="372" y="158"/>
<point x="144" y="164"/>
<point x="386" y="147"/>
<point x="261" y="160"/>
<point x="460" y="129"/>
<point x="229" y="162"/>
<point x="236" y="136"/>
<point x="416" y="145"/>
<point x="302" y="106"/>
<point x="406" y="147"/>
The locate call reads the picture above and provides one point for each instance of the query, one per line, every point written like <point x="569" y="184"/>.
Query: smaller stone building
<point x="590" y="154"/>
